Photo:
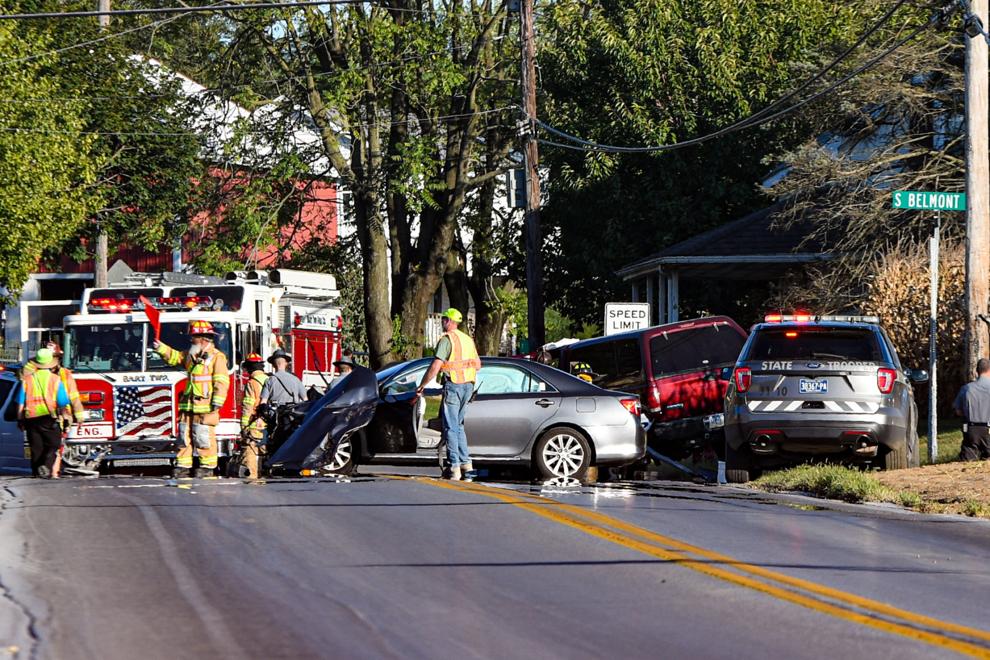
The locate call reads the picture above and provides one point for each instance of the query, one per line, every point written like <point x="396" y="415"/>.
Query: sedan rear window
<point x="790" y="343"/>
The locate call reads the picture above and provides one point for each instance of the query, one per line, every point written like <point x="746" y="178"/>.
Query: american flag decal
<point x="143" y="410"/>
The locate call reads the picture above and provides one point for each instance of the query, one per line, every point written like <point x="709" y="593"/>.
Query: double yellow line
<point x="834" y="602"/>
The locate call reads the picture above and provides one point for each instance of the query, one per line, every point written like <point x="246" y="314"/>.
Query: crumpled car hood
<point x="346" y="407"/>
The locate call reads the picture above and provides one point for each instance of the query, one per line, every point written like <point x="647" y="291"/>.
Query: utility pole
<point x="977" y="187"/>
<point x="534" y="240"/>
<point x="102" y="255"/>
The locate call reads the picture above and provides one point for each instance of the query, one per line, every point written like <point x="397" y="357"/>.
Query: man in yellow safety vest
<point x="252" y="426"/>
<point x="456" y="358"/>
<point x="201" y="400"/>
<point x="41" y="401"/>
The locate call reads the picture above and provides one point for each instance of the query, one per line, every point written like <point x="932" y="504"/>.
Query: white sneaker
<point x="455" y="473"/>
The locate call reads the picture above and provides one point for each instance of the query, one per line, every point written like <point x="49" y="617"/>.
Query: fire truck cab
<point x="131" y="395"/>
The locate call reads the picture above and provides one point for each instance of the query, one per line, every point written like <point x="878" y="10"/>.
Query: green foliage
<point x="588" y="331"/>
<point x="558" y="326"/>
<point x="512" y="302"/>
<point x="342" y="260"/>
<point x="632" y="72"/>
<point x="46" y="167"/>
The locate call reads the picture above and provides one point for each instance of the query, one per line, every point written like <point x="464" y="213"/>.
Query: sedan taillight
<point x="885" y="380"/>
<point x="632" y="405"/>
<point x="743" y="378"/>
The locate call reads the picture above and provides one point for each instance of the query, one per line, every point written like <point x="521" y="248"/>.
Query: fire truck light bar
<point x="133" y="304"/>
<point x="808" y="318"/>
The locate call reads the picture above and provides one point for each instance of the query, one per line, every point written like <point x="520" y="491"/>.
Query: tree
<point x="400" y="95"/>
<point x="47" y="170"/>
<point x="633" y="72"/>
<point x="144" y="143"/>
<point x="897" y="126"/>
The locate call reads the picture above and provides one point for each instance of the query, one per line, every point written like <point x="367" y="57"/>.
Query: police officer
<point x="344" y="365"/>
<point x="252" y="427"/>
<point x="973" y="405"/>
<point x="283" y="387"/>
<point x="208" y="381"/>
<point x="41" y="401"/>
<point x="457" y="359"/>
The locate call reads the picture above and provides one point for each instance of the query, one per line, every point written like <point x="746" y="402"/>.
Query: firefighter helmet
<point x="583" y="371"/>
<point x="201" y="329"/>
<point x="253" y="361"/>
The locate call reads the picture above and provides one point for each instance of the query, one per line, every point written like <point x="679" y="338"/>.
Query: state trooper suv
<point x="825" y="386"/>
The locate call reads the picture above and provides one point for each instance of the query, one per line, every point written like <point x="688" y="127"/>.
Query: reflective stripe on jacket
<point x="463" y="364"/>
<point x="75" y="402"/>
<point x="250" y="401"/>
<point x="208" y="378"/>
<point x="40" y="394"/>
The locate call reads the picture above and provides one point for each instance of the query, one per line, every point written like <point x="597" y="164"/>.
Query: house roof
<point x="734" y="248"/>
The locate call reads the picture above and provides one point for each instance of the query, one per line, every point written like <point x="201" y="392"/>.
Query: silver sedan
<point x="522" y="412"/>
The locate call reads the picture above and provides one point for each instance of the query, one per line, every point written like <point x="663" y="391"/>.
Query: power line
<point x="756" y="119"/>
<point x="91" y="42"/>
<point x="202" y="9"/>
<point x="222" y="88"/>
<point x="237" y="132"/>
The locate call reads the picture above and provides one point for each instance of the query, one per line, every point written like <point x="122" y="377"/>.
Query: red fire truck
<point x="131" y="395"/>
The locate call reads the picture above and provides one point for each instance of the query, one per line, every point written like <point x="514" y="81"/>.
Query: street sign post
<point x="624" y="317"/>
<point x="931" y="201"/>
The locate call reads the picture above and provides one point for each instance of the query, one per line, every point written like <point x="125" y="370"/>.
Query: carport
<point x="752" y="248"/>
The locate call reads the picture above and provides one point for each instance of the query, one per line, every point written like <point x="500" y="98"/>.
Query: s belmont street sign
<point x="929" y="201"/>
<point x="623" y="317"/>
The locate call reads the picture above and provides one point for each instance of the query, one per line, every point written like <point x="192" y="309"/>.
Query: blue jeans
<point x="455" y="400"/>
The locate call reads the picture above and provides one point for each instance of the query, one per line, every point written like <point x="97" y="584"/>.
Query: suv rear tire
<point x="737" y="465"/>
<point x="896" y="459"/>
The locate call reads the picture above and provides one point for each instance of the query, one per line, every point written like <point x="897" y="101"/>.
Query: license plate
<point x="813" y="386"/>
<point x="715" y="421"/>
<point x="141" y="462"/>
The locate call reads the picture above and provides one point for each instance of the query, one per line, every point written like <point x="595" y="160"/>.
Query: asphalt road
<point x="380" y="566"/>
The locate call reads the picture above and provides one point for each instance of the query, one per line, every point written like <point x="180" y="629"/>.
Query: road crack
<point x="7" y="593"/>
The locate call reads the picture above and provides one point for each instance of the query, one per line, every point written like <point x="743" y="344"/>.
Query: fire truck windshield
<point x="109" y="347"/>
<point x="127" y="346"/>
<point x="176" y="335"/>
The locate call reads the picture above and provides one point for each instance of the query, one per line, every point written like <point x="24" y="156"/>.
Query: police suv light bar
<point x="808" y="318"/>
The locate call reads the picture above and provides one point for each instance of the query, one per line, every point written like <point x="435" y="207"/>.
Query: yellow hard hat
<point x="453" y="314"/>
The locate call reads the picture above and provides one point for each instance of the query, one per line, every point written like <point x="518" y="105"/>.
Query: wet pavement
<point x="397" y="564"/>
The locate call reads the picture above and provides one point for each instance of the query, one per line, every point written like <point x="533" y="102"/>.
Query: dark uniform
<point x="973" y="404"/>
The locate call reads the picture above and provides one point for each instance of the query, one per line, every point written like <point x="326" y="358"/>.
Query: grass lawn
<point x="949" y="439"/>
<point x="948" y="486"/>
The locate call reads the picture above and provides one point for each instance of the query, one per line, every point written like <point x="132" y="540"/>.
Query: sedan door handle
<point x="544" y="403"/>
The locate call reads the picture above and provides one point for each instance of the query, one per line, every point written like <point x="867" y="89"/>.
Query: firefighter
<point x="456" y="358"/>
<point x="252" y="427"/>
<point x="200" y="403"/>
<point x="583" y="371"/>
<point x="43" y="398"/>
